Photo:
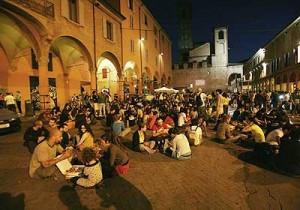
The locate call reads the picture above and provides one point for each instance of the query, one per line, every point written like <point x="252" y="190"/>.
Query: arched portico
<point x="131" y="76"/>
<point x="109" y="73"/>
<point x="71" y="66"/>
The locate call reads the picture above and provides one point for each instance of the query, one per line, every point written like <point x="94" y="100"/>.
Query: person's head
<point x="105" y="141"/>
<point x="173" y="132"/>
<point x="52" y="123"/>
<point x="38" y="124"/>
<point x="55" y="136"/>
<point x="142" y="126"/>
<point x="159" y="121"/>
<point x="84" y="128"/>
<point x="88" y="155"/>
<point x="64" y="127"/>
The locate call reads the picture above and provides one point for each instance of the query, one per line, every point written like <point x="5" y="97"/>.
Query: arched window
<point x="221" y="35"/>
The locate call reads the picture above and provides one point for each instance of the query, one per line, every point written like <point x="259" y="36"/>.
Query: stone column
<point x="43" y="81"/>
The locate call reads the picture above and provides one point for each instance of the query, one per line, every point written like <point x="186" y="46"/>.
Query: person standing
<point x="10" y="102"/>
<point x="18" y="101"/>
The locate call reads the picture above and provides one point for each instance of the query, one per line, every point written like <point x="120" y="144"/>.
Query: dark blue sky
<point x="251" y="23"/>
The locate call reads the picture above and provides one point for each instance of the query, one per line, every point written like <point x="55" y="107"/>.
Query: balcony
<point x="42" y="7"/>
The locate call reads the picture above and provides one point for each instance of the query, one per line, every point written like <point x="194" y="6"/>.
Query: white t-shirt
<point x="181" y="119"/>
<point x="181" y="145"/>
<point x="274" y="136"/>
<point x="9" y="99"/>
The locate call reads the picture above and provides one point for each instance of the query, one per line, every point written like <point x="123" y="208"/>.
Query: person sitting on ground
<point x="66" y="136"/>
<point x="178" y="147"/>
<point x="256" y="131"/>
<point x="224" y="131"/>
<point x="160" y="132"/>
<point x="43" y="159"/>
<point x="118" y="125"/>
<point x="138" y="140"/>
<point x="85" y="137"/>
<point x="152" y="120"/>
<point x="34" y="135"/>
<point x="92" y="171"/>
<point x="194" y="133"/>
<point x="117" y="158"/>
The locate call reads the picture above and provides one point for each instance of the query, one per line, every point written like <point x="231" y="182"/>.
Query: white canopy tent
<point x="166" y="90"/>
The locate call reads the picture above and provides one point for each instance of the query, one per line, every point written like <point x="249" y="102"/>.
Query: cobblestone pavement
<point x="217" y="177"/>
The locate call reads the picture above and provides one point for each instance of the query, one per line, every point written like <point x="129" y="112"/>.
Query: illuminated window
<point x="73" y="10"/>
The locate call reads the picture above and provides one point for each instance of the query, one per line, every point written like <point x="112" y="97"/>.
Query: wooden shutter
<point x="64" y="7"/>
<point x="114" y="29"/>
<point x="81" y="12"/>
<point x="104" y="27"/>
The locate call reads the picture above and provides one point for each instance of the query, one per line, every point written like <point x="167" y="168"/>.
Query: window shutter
<point x="64" y="7"/>
<point x="81" y="12"/>
<point x="104" y="28"/>
<point x="114" y="28"/>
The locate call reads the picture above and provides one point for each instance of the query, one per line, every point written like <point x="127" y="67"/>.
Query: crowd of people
<point x="169" y="124"/>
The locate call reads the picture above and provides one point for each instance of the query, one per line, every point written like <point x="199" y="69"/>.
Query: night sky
<point x="251" y="23"/>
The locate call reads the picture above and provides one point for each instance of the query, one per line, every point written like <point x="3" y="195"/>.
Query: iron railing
<point x="43" y="7"/>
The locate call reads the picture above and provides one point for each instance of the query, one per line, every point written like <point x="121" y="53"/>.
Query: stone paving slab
<point x="215" y="178"/>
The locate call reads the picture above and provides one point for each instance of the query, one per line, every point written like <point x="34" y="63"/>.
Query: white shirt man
<point x="181" y="147"/>
<point x="9" y="100"/>
<point x="181" y="119"/>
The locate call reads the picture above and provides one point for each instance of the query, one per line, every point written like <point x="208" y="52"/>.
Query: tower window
<point x="221" y="35"/>
<point x="73" y="10"/>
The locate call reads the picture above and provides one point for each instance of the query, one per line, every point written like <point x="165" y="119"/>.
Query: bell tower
<point x="184" y="22"/>
<point x="221" y="46"/>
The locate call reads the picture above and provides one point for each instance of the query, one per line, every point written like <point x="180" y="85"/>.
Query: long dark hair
<point x="88" y="129"/>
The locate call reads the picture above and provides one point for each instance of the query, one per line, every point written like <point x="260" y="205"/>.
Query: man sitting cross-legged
<point x="43" y="160"/>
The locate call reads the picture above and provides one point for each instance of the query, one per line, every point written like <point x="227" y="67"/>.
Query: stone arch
<point x="109" y="73"/>
<point x="70" y="50"/>
<point x="33" y="29"/>
<point x="15" y="37"/>
<point x="130" y="74"/>
<point x="233" y="76"/>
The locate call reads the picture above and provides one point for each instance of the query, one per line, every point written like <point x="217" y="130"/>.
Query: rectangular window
<point x="109" y="30"/>
<point x="146" y="20"/>
<point x="131" y="22"/>
<point x="50" y="62"/>
<point x="155" y="31"/>
<point x="132" y="46"/>
<point x="73" y="10"/>
<point x="130" y="4"/>
<point x="155" y="43"/>
<point x="34" y="62"/>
